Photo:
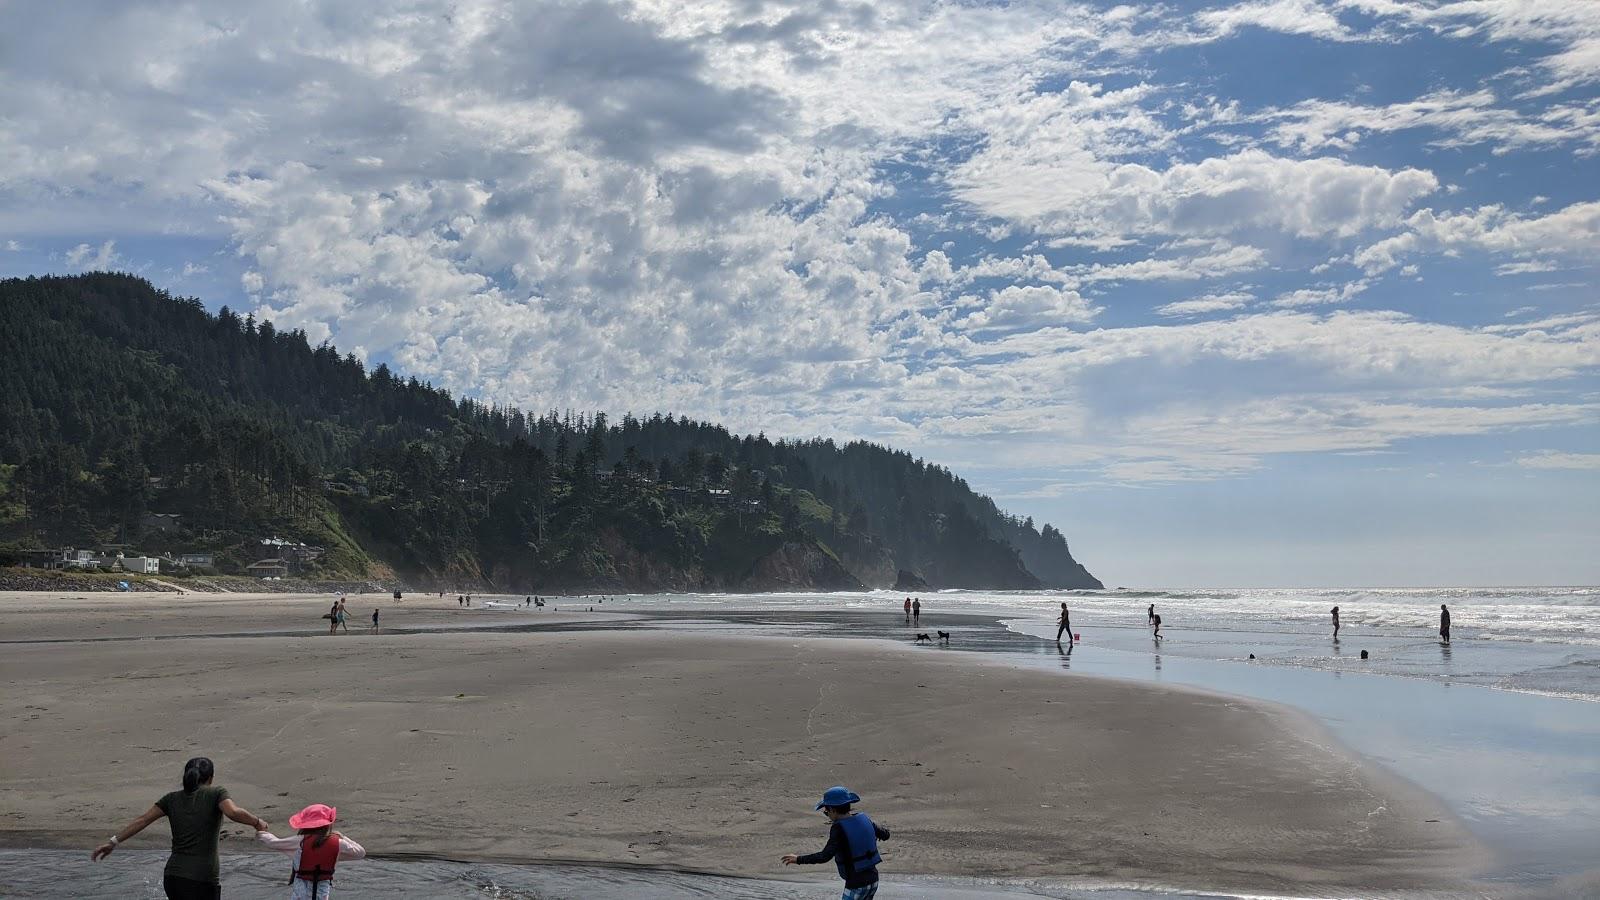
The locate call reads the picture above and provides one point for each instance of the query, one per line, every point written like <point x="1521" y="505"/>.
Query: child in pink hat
<point x="316" y="848"/>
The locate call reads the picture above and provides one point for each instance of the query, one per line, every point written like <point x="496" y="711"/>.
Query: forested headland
<point x="132" y="417"/>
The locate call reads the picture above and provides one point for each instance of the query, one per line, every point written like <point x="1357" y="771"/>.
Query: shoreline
<point x="654" y="748"/>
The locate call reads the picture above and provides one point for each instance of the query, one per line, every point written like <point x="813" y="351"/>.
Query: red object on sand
<point x="1077" y="637"/>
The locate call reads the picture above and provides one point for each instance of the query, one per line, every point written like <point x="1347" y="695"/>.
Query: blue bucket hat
<point x="838" y="796"/>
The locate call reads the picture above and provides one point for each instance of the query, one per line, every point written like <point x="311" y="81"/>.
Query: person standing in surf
<point x="1156" y="625"/>
<point x="852" y="845"/>
<point x="1336" y="623"/>
<point x="317" y="849"/>
<point x="194" y="870"/>
<point x="1150" y="615"/>
<point x="1064" y="624"/>
<point x="908" y="609"/>
<point x="916" y="609"/>
<point x="1444" y="623"/>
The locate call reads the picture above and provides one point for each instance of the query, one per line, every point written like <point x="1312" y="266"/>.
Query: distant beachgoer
<point x="193" y="871"/>
<point x="317" y="849"/>
<point x="1336" y="623"/>
<point x="340" y="616"/>
<point x="1151" y="613"/>
<point x="916" y="608"/>
<point x="1444" y="623"/>
<point x="1064" y="624"/>
<point x="1157" y="625"/>
<point x="852" y="845"/>
<point x="1363" y="654"/>
<point x="374" y="620"/>
<point x="333" y="617"/>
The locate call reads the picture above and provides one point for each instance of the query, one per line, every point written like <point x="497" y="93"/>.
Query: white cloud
<point x="1320" y="296"/>
<point x="1058" y="191"/>
<point x="1553" y="459"/>
<point x="1306" y="17"/>
<point x="1040" y="306"/>
<point x="899" y="221"/>
<point x="1208" y="303"/>
<point x="1461" y="118"/>
<point x="94" y="259"/>
<point x="1570" y="232"/>
<point x="1571" y="29"/>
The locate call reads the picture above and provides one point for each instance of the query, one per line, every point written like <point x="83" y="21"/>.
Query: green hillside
<point x="120" y="401"/>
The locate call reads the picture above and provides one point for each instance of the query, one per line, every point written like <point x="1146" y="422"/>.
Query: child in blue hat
<point x="852" y="845"/>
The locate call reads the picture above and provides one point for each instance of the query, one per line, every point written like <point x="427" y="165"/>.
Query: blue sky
<point x="1287" y="292"/>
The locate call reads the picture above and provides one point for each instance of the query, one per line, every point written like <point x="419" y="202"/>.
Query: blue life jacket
<point x="863" y="840"/>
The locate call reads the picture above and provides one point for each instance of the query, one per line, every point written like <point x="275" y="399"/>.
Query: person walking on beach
<point x="908" y="607"/>
<point x="852" y="845"/>
<point x="1336" y="623"/>
<point x="1157" y="625"/>
<point x="193" y="871"/>
<point x="916" y="608"/>
<point x="317" y="849"/>
<point x="1064" y="624"/>
<point x="1150" y="615"/>
<point x="1444" y="623"/>
<point x="340" y="616"/>
<point x="374" y="621"/>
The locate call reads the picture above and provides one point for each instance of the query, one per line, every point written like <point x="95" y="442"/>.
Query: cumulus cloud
<point x="932" y="224"/>
<point x="94" y="259"/>
<point x="1208" y="303"/>
<point x="1573" y="231"/>
<point x="1288" y="16"/>
<point x="1055" y="191"/>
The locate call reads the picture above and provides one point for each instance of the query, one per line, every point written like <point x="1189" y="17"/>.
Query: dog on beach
<point x="922" y="636"/>
<point x="944" y="635"/>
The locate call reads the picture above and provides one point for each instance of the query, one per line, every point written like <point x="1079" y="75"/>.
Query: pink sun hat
<point x="314" y="816"/>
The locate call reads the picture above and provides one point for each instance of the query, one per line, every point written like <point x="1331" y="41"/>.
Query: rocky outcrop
<point x="909" y="581"/>
<point x="800" y="566"/>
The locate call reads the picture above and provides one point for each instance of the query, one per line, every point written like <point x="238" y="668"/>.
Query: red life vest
<point x="316" y="863"/>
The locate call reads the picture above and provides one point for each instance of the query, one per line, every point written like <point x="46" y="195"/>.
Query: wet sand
<point x="689" y="751"/>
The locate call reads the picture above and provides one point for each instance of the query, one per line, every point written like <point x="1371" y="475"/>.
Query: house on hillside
<point x="47" y="559"/>
<point x="267" y="568"/>
<point x="142" y="565"/>
<point x="199" y="560"/>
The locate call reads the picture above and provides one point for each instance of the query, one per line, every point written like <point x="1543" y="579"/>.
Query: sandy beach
<point x="682" y="751"/>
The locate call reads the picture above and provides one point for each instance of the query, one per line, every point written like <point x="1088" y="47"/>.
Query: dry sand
<point x="686" y="751"/>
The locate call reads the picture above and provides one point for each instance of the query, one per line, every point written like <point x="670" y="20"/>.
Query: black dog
<point x="944" y="635"/>
<point x="922" y="637"/>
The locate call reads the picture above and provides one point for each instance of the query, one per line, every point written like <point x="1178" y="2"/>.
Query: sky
<point x="1264" y="293"/>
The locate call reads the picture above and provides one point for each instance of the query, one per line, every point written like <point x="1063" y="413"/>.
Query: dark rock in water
<point x="910" y="581"/>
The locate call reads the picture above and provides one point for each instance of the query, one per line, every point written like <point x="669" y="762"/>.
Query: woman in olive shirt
<point x="193" y="870"/>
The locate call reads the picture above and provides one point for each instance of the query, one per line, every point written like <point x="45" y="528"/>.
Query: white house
<point x="142" y="565"/>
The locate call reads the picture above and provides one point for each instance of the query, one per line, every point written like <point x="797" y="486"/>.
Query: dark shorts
<point x="865" y="892"/>
<point x="186" y="889"/>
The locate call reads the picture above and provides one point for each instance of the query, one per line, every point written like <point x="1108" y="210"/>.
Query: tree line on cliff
<point x="120" y="400"/>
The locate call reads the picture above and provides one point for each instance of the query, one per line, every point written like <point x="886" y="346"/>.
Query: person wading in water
<point x="316" y="848"/>
<point x="852" y="845"/>
<point x="193" y="871"/>
<point x="1064" y="624"/>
